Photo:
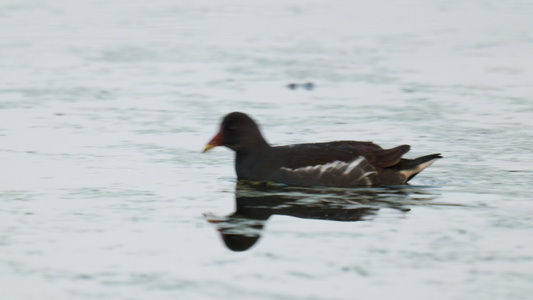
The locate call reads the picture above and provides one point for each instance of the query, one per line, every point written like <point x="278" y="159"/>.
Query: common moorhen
<point x="332" y="164"/>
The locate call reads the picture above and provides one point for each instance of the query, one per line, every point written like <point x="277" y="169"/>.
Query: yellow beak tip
<point x="208" y="147"/>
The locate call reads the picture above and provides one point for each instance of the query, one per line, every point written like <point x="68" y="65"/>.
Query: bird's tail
<point x="410" y="167"/>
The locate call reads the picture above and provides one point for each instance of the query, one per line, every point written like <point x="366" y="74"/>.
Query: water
<point x="105" y="107"/>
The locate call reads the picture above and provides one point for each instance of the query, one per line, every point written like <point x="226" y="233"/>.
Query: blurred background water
<point x="105" y="107"/>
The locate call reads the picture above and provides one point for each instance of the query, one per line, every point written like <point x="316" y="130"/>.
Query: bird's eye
<point x="230" y="128"/>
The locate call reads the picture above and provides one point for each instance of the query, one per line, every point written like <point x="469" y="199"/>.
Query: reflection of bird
<point x="256" y="204"/>
<point x="335" y="164"/>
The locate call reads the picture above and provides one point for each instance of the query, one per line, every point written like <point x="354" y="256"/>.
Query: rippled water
<point x="105" y="107"/>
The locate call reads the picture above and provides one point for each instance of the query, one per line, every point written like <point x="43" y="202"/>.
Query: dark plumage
<point x="335" y="164"/>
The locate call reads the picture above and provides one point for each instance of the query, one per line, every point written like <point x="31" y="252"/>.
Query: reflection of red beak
<point x="216" y="141"/>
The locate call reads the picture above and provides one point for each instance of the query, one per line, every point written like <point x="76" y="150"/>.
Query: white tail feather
<point x="410" y="172"/>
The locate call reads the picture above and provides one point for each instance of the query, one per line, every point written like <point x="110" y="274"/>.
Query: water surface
<point x="105" y="107"/>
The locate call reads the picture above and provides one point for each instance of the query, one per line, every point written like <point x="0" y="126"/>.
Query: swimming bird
<point x="329" y="164"/>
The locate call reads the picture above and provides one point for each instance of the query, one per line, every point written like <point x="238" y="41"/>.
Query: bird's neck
<point x="251" y="163"/>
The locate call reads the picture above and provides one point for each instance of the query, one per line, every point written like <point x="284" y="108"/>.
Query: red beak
<point x="216" y="141"/>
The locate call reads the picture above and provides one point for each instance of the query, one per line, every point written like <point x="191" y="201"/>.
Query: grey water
<point x="105" y="107"/>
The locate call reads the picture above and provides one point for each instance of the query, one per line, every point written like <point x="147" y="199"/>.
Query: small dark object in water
<point x="307" y="86"/>
<point x="292" y="86"/>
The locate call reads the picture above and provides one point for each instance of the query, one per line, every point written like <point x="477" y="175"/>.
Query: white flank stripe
<point x="331" y="166"/>
<point x="357" y="172"/>
<point x="365" y="175"/>
<point x="337" y="165"/>
<point x="353" y="165"/>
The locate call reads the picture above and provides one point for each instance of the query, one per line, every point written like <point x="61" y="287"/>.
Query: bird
<point x="325" y="164"/>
